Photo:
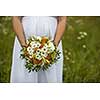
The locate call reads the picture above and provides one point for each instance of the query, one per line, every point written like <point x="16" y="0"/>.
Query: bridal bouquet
<point x="40" y="53"/>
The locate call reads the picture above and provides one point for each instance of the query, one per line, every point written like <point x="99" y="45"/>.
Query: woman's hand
<point x="55" y="43"/>
<point x="60" y="29"/>
<point x="24" y="45"/>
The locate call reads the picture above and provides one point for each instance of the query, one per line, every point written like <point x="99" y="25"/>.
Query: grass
<point x="81" y="52"/>
<point x="83" y="63"/>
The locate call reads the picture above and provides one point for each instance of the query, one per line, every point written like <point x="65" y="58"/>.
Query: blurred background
<point x="81" y="48"/>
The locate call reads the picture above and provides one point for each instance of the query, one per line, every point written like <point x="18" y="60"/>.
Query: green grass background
<point x="81" y="55"/>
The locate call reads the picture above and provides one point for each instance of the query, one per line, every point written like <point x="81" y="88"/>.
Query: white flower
<point x="82" y="36"/>
<point x="51" y="46"/>
<point x="46" y="45"/>
<point x="38" y="44"/>
<point x="30" y="50"/>
<point x="85" y="33"/>
<point x="30" y="56"/>
<point x="79" y="38"/>
<point x="33" y="44"/>
<point x="84" y="46"/>
<point x="38" y="54"/>
<point x="44" y="48"/>
<point x="38" y="57"/>
<point x="43" y="54"/>
<point x="27" y="41"/>
<point x="80" y="33"/>
<point x="38" y="51"/>
<point x="32" y="38"/>
<point x="39" y="38"/>
<point x="69" y="53"/>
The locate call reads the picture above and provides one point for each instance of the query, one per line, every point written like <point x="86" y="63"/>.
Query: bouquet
<point x="40" y="53"/>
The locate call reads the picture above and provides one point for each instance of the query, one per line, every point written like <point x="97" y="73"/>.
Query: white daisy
<point x="33" y="44"/>
<point x="30" y="50"/>
<point x="82" y="36"/>
<point x="51" y="47"/>
<point x="38" y="57"/>
<point x="85" y="33"/>
<point x="45" y="48"/>
<point x="38" y="44"/>
<point x="38" y="54"/>
<point x="38" y="51"/>
<point x="43" y="54"/>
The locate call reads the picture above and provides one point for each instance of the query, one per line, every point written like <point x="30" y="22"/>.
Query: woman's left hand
<point x="55" y="43"/>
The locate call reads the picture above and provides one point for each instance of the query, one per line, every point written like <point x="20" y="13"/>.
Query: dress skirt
<point x="39" y="26"/>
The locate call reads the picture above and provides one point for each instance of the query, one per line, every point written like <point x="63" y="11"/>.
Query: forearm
<point x="18" y="29"/>
<point x="60" y="30"/>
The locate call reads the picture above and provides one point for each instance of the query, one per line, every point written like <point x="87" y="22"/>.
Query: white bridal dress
<point x="40" y="26"/>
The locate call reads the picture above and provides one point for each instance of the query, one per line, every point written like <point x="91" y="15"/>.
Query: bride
<point x="26" y="26"/>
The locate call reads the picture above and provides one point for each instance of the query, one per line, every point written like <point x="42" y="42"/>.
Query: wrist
<point x="55" y="43"/>
<point x="24" y="45"/>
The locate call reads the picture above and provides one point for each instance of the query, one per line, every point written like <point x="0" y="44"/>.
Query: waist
<point x="55" y="17"/>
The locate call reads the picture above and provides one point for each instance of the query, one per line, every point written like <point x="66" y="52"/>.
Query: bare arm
<point x="18" y="29"/>
<point x="60" y="29"/>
